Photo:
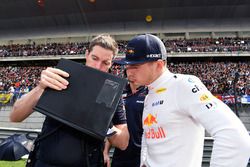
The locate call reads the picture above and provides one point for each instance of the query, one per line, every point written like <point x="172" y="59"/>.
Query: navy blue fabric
<point x="134" y="104"/>
<point x="143" y="48"/>
<point x="128" y="158"/>
<point x="120" y="114"/>
<point x="67" y="147"/>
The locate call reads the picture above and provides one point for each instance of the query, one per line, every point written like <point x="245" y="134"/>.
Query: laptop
<point x="89" y="102"/>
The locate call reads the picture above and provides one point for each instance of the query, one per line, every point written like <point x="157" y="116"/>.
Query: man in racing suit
<point x="177" y="110"/>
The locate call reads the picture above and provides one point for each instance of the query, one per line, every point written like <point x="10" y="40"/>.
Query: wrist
<point x="111" y="131"/>
<point x="40" y="86"/>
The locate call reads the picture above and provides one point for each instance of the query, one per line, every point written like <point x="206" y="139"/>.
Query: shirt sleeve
<point x="231" y="140"/>
<point x="120" y="114"/>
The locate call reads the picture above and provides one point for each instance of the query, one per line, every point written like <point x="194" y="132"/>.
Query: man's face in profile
<point x="99" y="58"/>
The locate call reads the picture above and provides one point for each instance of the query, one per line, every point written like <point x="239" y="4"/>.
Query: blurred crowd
<point x="18" y="81"/>
<point x="172" y="46"/>
<point x="50" y="49"/>
<point x="219" y="77"/>
<point x="33" y="49"/>
<point x="208" y="45"/>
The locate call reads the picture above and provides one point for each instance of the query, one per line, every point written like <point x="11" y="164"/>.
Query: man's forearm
<point x="24" y="107"/>
<point x="230" y="149"/>
<point x="121" y="138"/>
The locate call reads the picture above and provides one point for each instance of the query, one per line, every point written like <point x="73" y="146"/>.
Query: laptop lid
<point x="89" y="102"/>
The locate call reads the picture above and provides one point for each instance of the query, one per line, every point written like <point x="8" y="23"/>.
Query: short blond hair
<point x="106" y="42"/>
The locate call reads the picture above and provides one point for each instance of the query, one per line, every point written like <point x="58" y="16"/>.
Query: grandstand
<point x="203" y="39"/>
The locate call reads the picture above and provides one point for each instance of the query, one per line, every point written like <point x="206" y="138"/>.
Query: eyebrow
<point x="93" y="55"/>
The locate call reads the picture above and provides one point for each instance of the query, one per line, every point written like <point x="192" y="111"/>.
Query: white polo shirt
<point x="177" y="109"/>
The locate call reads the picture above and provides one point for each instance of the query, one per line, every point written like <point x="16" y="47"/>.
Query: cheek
<point x="138" y="75"/>
<point x="89" y="61"/>
<point x="141" y="72"/>
<point x="105" y="68"/>
<point x="128" y="72"/>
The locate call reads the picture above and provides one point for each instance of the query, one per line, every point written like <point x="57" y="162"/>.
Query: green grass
<point x="20" y="163"/>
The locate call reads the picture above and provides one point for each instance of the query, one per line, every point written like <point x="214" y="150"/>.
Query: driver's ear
<point x="87" y="53"/>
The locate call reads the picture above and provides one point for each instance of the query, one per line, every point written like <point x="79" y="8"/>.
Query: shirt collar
<point x="128" y="90"/>
<point x="166" y="75"/>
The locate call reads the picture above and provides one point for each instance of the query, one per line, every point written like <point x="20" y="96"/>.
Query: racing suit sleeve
<point x="231" y="146"/>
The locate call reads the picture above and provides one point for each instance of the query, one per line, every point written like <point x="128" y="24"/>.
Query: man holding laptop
<point x="59" y="144"/>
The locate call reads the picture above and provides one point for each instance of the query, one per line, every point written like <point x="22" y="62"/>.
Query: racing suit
<point x="176" y="111"/>
<point x="134" y="103"/>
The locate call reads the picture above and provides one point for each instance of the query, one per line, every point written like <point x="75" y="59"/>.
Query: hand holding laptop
<point x="87" y="98"/>
<point x="54" y="78"/>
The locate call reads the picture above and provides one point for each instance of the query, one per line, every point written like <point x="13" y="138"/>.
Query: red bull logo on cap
<point x="150" y="120"/>
<point x="130" y="51"/>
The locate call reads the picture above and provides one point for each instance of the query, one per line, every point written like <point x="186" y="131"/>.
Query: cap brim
<point x="128" y="62"/>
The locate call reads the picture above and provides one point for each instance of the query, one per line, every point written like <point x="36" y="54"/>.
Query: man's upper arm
<point x="231" y="140"/>
<point x="205" y="108"/>
<point x="120" y="114"/>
